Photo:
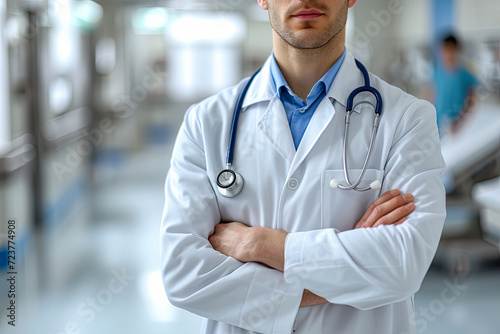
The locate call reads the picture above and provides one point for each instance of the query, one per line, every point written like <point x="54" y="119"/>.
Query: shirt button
<point x="293" y="183"/>
<point x="303" y="110"/>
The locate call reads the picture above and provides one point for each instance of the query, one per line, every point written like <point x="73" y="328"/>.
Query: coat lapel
<point x="319" y="121"/>
<point x="346" y="81"/>
<point x="276" y="129"/>
<point x="274" y="124"/>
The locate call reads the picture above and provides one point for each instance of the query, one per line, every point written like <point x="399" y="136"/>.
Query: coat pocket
<point x="342" y="209"/>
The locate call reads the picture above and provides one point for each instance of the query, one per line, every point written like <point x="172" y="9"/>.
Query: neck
<point x="451" y="66"/>
<point x="302" y="68"/>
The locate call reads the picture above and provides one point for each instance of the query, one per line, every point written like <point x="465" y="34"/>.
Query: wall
<point x="472" y="17"/>
<point x="4" y="101"/>
<point x="258" y="42"/>
<point x="381" y="25"/>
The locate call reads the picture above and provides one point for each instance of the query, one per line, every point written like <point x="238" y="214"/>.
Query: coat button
<point x="293" y="183"/>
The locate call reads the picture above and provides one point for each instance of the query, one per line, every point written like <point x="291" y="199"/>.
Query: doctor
<point x="290" y="253"/>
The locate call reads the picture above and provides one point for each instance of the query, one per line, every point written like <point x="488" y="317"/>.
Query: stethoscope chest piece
<point x="229" y="183"/>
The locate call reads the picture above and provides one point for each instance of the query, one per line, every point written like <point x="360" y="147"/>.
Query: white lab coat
<point x="368" y="275"/>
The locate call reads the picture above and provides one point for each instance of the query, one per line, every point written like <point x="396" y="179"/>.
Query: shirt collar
<point x="264" y="90"/>
<point x="326" y="80"/>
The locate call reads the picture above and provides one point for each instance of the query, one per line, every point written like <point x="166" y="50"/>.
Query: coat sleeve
<point x="198" y="278"/>
<point x="372" y="267"/>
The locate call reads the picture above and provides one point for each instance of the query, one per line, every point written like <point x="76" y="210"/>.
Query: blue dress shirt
<point x="298" y="111"/>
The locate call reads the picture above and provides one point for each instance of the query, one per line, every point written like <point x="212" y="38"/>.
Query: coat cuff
<point x="307" y="251"/>
<point x="288" y="309"/>
<point x="275" y="310"/>
<point x="293" y="258"/>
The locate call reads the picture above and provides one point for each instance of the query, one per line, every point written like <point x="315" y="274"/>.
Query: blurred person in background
<point x="453" y="90"/>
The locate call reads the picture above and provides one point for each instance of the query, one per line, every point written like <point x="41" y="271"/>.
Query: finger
<point x="382" y="199"/>
<point x="401" y="221"/>
<point x="387" y="207"/>
<point x="384" y="209"/>
<point x="396" y="215"/>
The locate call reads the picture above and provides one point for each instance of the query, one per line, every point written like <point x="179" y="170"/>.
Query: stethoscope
<point x="230" y="183"/>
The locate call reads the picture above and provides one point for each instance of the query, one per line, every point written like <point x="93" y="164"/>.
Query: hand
<point x="392" y="208"/>
<point x="250" y="244"/>
<point x="233" y="239"/>
<point x="310" y="299"/>
<point x="457" y="125"/>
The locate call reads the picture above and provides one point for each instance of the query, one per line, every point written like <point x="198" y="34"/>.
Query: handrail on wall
<point x="17" y="154"/>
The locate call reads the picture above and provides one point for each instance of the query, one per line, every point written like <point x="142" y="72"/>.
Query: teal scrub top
<point x="452" y="89"/>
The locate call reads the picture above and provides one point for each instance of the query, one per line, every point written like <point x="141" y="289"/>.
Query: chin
<point x="307" y="40"/>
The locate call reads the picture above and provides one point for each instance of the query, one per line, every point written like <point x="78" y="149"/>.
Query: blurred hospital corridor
<point x="92" y="96"/>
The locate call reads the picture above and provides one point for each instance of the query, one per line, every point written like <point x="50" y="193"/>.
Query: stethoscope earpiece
<point x="375" y="185"/>
<point x="334" y="183"/>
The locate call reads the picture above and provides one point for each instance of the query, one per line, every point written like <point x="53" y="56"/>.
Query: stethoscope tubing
<point x="354" y="186"/>
<point x="378" y="111"/>
<point x="236" y="116"/>
<point x="229" y="192"/>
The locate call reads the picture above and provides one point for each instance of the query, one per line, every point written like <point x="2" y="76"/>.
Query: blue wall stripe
<point x="56" y="212"/>
<point x="443" y="21"/>
<point x="22" y="242"/>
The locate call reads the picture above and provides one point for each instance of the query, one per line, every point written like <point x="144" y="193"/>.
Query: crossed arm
<point x="267" y="245"/>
